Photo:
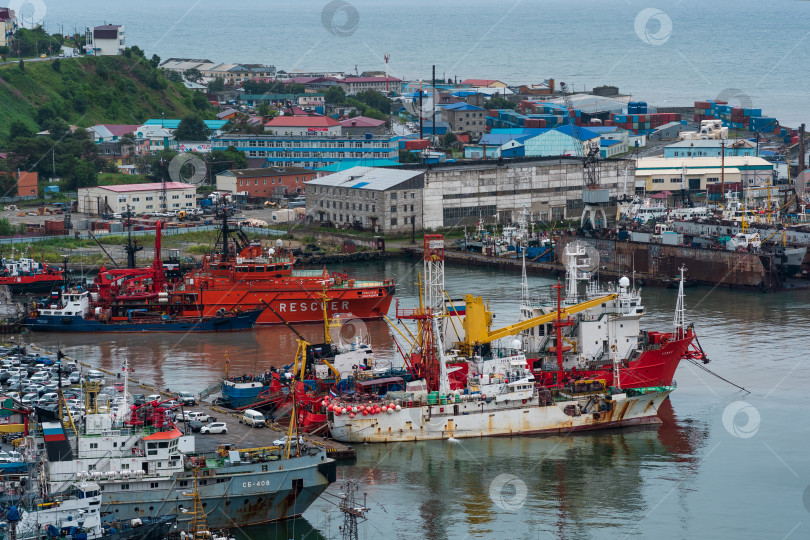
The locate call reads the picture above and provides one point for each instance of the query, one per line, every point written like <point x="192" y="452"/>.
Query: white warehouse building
<point x="139" y="197"/>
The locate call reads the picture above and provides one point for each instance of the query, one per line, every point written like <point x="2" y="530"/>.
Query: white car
<point x="283" y="441"/>
<point x="201" y="416"/>
<point x="215" y="427"/>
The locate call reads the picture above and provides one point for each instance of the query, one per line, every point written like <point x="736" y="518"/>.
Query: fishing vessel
<point x="248" y="275"/>
<point x="76" y="513"/>
<point x="72" y="311"/>
<point x="145" y="465"/>
<point x="25" y="275"/>
<point x="474" y="392"/>
<point x="601" y="337"/>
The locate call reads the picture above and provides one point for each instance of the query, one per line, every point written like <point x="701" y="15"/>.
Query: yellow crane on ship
<point x="478" y="321"/>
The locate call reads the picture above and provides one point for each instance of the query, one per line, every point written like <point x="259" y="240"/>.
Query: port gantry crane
<point x="594" y="197"/>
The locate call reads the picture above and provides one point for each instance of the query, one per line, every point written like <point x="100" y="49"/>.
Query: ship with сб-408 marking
<point x="145" y="465"/>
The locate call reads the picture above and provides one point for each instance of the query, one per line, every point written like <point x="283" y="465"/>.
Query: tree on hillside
<point x="193" y="75"/>
<point x="155" y="61"/>
<point x="199" y="101"/>
<point x="374" y="99"/>
<point x="499" y="103"/>
<point x="171" y="76"/>
<point x="19" y="130"/>
<point x="81" y="174"/>
<point x="217" y="85"/>
<point x="192" y="128"/>
<point x="128" y="145"/>
<point x="449" y="139"/>
<point x="335" y="95"/>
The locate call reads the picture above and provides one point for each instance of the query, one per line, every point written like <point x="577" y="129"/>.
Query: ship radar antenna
<point x="679" y="323"/>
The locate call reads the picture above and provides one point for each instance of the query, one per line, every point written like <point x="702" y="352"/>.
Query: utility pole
<point x="801" y="149"/>
<point x="421" y="131"/>
<point x="434" y="102"/>
<point x="723" y="170"/>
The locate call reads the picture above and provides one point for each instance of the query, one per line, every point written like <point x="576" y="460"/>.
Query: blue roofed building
<point x="216" y="126"/>
<point x="563" y="141"/>
<point x="313" y="151"/>
<point x="614" y="134"/>
<point x="497" y="145"/>
<point x="608" y="148"/>
<point x="465" y="118"/>
<point x="442" y="128"/>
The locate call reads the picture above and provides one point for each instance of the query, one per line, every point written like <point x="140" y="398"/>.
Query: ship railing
<point x="66" y="484"/>
<point x="518" y="404"/>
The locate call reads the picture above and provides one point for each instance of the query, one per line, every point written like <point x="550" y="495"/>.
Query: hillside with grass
<point x="85" y="91"/>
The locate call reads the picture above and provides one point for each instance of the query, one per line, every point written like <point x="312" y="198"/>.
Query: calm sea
<point x="668" y="53"/>
<point x="725" y="464"/>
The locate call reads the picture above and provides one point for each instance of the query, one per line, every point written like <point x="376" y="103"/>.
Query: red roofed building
<point x="484" y="83"/>
<point x="303" y="125"/>
<point x="353" y="85"/>
<point x="360" y="125"/>
<point x="140" y="198"/>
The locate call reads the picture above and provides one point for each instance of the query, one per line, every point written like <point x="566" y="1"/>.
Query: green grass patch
<point x="114" y="179"/>
<point x="91" y="90"/>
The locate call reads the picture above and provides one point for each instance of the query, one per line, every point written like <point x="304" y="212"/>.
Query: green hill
<point x="91" y="90"/>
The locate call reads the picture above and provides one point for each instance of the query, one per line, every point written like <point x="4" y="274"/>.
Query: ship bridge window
<point x="163" y="445"/>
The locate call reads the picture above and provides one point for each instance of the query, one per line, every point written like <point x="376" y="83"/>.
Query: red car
<point x="119" y="386"/>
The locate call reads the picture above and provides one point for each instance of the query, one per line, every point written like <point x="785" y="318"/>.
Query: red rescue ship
<point x="246" y="275"/>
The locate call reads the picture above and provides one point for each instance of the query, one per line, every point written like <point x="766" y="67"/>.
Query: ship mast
<point x="524" y="284"/>
<point x="679" y="322"/>
<point x="434" y="272"/>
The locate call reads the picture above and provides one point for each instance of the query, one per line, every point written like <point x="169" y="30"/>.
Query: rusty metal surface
<point x="661" y="262"/>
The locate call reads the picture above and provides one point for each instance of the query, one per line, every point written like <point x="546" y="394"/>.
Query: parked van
<point x="253" y="418"/>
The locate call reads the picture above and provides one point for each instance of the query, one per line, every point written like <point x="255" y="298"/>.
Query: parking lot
<point x="32" y="377"/>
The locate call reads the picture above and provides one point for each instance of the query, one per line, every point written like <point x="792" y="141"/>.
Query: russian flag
<point x="332" y="393"/>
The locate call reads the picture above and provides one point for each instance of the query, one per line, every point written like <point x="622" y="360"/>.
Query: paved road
<point x="26" y="60"/>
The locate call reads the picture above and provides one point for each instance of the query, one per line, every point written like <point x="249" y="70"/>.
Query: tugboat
<point x="246" y="275"/>
<point x="25" y="275"/>
<point x="71" y="311"/>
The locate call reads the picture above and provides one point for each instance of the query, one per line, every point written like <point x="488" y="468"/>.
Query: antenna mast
<point x="679" y="322"/>
<point x="351" y="511"/>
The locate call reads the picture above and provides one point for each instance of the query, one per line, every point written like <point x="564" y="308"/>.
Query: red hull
<point x="655" y="367"/>
<point x="299" y="304"/>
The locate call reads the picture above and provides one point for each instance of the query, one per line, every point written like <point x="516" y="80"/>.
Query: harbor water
<point x="724" y="463"/>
